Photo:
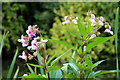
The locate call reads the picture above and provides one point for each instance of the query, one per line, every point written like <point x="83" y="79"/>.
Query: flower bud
<point x="30" y="57"/>
<point x="35" y="54"/>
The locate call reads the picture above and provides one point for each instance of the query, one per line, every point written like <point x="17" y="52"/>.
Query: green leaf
<point x="52" y="57"/>
<point x="97" y="63"/>
<point x="79" y="66"/>
<point x="30" y="69"/>
<point x="103" y="72"/>
<point x="16" y="73"/>
<point x="75" y="34"/>
<point x="81" y="29"/>
<point x="56" y="75"/>
<point x="39" y="62"/>
<point x="89" y="28"/>
<point x="31" y="75"/>
<point x="116" y="40"/>
<point x="35" y="65"/>
<point x="71" y="76"/>
<point x="68" y="45"/>
<point x="2" y="42"/>
<point x="88" y="61"/>
<point x="91" y="74"/>
<point x="72" y="68"/>
<point x="53" y="62"/>
<point x="53" y="68"/>
<point x="12" y="64"/>
<point x="98" y="41"/>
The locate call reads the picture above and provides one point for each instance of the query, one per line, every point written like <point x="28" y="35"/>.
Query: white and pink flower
<point x="24" y="40"/>
<point x="109" y="30"/>
<point x="23" y="56"/>
<point x="92" y="36"/>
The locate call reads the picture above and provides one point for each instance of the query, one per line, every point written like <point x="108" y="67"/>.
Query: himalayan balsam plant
<point x="83" y="68"/>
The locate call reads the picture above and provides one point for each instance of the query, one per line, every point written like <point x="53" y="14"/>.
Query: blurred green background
<point x="48" y="16"/>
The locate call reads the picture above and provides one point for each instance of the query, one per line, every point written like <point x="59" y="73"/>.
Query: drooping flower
<point x="24" y="56"/>
<point x="92" y="36"/>
<point x="109" y="30"/>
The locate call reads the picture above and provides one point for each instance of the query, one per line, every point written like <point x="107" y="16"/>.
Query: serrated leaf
<point x="99" y="40"/>
<point x="53" y="62"/>
<point x="81" y="29"/>
<point x="53" y="68"/>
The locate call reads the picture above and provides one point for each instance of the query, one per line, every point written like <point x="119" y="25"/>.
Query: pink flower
<point x="92" y="16"/>
<point x="30" y="33"/>
<point x="24" y="40"/>
<point x="98" y="32"/>
<point x="101" y="23"/>
<point x="109" y="30"/>
<point x="101" y="19"/>
<point x="24" y="56"/>
<point x="75" y="20"/>
<point x="92" y="36"/>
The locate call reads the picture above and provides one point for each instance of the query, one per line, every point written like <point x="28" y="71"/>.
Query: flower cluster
<point x="71" y="18"/>
<point x="96" y="23"/>
<point x="36" y="42"/>
<point x="94" y="20"/>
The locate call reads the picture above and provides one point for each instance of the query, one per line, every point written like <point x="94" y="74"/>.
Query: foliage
<point x="59" y="31"/>
<point x="83" y="68"/>
<point x="12" y="22"/>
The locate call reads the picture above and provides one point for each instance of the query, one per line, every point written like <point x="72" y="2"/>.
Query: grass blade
<point x="12" y="64"/>
<point x="2" y="42"/>
<point x="116" y="40"/>
<point x="16" y="73"/>
<point x="53" y="62"/>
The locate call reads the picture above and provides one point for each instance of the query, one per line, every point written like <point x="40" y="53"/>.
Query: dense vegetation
<point x="48" y="17"/>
